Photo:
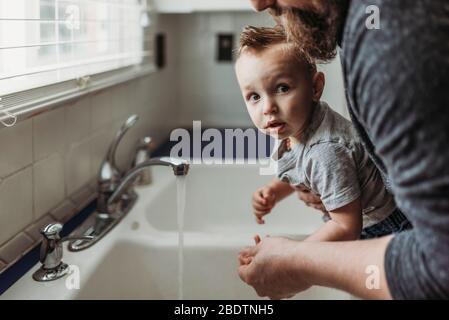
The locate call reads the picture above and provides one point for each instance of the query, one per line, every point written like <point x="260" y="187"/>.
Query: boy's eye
<point x="253" y="97"/>
<point x="282" y="88"/>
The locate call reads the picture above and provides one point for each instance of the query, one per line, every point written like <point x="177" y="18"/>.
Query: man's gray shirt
<point x="397" y="86"/>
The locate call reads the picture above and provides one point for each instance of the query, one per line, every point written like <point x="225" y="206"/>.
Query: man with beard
<point x="397" y="94"/>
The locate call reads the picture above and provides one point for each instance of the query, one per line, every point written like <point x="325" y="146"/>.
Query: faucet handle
<point x="51" y="231"/>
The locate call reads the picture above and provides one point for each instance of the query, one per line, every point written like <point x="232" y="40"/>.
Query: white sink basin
<point x="139" y="258"/>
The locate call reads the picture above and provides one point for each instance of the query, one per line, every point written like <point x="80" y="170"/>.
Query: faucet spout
<point x="180" y="168"/>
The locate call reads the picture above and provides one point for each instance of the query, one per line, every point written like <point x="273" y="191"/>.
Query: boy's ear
<point x="318" y="82"/>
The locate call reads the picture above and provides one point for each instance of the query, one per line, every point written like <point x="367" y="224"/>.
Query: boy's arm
<point x="265" y="198"/>
<point x="281" y="189"/>
<point x="346" y="224"/>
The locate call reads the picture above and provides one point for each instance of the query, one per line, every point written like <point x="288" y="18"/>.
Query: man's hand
<point x="280" y="268"/>
<point x="263" y="201"/>
<point x="267" y="265"/>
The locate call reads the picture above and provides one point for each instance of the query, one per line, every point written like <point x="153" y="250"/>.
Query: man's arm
<point x="356" y="267"/>
<point x="279" y="268"/>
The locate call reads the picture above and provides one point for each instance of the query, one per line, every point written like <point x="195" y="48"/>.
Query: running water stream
<point x="181" y="197"/>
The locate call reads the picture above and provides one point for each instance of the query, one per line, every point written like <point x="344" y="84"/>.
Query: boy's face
<point x="277" y="90"/>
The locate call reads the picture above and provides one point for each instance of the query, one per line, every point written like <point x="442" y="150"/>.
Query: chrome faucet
<point x="116" y="195"/>
<point x="51" y="253"/>
<point x="180" y="168"/>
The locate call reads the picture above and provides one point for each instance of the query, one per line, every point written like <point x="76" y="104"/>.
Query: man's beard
<point x="314" y="32"/>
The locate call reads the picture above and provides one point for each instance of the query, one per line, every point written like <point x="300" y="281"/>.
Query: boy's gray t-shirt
<point x="332" y="162"/>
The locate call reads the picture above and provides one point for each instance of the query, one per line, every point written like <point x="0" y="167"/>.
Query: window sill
<point x="26" y="104"/>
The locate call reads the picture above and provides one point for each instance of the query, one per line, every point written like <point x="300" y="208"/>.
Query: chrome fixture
<point x="109" y="174"/>
<point x="51" y="253"/>
<point x="180" y="168"/>
<point x="116" y="195"/>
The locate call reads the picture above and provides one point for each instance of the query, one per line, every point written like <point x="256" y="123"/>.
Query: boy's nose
<point x="270" y="107"/>
<point x="261" y="5"/>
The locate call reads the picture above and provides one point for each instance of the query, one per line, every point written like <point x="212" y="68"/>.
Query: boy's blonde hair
<point x="261" y="38"/>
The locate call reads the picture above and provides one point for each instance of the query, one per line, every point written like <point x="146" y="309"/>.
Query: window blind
<point x="50" y="41"/>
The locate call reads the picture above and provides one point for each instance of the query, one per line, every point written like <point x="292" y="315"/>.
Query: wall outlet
<point x="160" y="50"/>
<point x="225" y="46"/>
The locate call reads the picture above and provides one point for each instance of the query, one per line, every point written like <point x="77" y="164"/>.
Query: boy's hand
<point x="264" y="200"/>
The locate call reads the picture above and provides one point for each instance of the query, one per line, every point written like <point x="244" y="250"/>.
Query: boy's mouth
<point x="275" y="126"/>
